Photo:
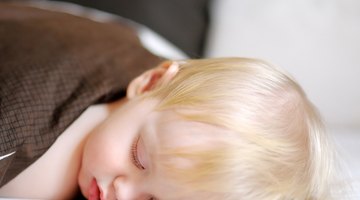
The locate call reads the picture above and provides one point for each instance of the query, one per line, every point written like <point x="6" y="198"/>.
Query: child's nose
<point x="126" y="189"/>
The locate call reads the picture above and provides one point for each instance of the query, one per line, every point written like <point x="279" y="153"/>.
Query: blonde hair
<point x="278" y="150"/>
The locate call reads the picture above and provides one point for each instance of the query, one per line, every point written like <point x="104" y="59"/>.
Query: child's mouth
<point x="94" y="191"/>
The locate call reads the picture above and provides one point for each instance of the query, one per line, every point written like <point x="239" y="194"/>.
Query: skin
<point x="108" y="155"/>
<point x="54" y="174"/>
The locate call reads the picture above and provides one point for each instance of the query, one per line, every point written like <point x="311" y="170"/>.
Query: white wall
<point x="317" y="41"/>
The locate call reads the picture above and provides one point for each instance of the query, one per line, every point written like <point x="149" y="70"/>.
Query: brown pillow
<point x="52" y="67"/>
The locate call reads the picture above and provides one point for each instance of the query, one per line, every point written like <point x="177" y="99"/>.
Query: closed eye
<point x="134" y="154"/>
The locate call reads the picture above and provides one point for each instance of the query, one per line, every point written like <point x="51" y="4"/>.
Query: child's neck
<point x="54" y="175"/>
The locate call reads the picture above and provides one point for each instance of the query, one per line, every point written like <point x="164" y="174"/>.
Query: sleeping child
<point x="85" y="109"/>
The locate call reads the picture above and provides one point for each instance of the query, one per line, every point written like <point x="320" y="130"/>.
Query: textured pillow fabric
<point x="52" y="67"/>
<point x="183" y="22"/>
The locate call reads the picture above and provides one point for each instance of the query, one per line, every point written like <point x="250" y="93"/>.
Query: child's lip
<point x="94" y="190"/>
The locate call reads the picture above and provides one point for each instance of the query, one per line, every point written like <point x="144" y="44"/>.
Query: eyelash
<point x="134" y="155"/>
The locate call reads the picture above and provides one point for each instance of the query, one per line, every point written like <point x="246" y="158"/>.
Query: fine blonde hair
<point x="278" y="149"/>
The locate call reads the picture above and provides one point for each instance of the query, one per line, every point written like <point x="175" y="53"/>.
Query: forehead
<point x="170" y="129"/>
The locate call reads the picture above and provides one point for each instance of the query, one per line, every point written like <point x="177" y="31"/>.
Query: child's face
<point x="117" y="160"/>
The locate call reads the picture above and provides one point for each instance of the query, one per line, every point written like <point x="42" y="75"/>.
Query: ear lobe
<point x="152" y="78"/>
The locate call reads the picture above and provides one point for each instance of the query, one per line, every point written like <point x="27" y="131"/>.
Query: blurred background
<point x="317" y="41"/>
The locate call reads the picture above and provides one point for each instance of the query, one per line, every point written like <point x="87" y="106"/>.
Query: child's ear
<point x="148" y="80"/>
